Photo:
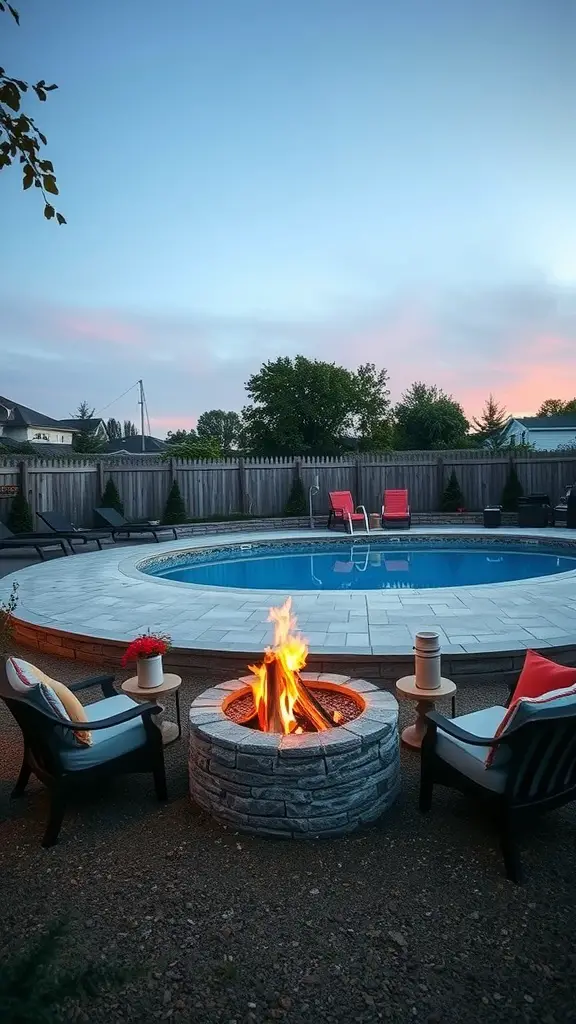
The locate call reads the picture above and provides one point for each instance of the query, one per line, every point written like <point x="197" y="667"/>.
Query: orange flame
<point x="289" y="651"/>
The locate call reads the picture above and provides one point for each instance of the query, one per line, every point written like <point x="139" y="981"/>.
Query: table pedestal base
<point x="413" y="735"/>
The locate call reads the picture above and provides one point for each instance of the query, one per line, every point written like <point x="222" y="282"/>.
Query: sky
<point x="351" y="180"/>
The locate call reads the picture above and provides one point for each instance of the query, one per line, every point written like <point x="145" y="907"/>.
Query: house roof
<point x="133" y="446"/>
<point x="548" y="422"/>
<point x="22" y="416"/>
<point x="76" y="424"/>
<point x="42" y="449"/>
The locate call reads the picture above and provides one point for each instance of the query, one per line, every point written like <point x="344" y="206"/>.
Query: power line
<point x="131" y="388"/>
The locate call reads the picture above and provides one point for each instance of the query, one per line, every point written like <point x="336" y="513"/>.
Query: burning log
<point x="283" y="701"/>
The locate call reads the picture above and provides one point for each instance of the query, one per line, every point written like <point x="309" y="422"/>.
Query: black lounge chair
<point x="125" y="739"/>
<point x="120" y="525"/>
<point x="39" y="541"/>
<point x="57" y="522"/>
<point x="539" y="774"/>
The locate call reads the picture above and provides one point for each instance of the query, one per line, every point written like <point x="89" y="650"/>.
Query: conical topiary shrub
<point x="512" y="491"/>
<point x="111" y="497"/>
<point x="296" y="504"/>
<point x="452" y="499"/>
<point x="175" y="509"/>
<point x="20" y="516"/>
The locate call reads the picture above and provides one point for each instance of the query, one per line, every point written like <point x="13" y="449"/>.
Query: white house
<point x="545" y="433"/>
<point x="45" y="436"/>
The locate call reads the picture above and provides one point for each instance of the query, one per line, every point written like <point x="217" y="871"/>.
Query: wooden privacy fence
<point x="262" y="486"/>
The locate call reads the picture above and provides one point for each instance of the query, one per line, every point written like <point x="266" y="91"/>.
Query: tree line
<point x="310" y="407"/>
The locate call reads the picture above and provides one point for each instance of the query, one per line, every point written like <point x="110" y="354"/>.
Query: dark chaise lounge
<point x="39" y="541"/>
<point x="57" y="522"/>
<point x="119" y="525"/>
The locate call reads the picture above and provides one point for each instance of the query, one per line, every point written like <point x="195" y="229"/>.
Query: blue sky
<point x="349" y="179"/>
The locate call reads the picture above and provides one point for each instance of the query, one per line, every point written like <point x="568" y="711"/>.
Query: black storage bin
<point x="534" y="510"/>
<point x="493" y="517"/>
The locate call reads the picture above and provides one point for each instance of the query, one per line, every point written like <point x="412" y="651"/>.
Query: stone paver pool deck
<point x="102" y="595"/>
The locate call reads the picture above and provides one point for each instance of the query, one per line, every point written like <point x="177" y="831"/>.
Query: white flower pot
<point x="427" y="661"/>
<point x="150" y="672"/>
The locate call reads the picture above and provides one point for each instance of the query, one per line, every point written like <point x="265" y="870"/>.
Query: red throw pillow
<point x="540" y="676"/>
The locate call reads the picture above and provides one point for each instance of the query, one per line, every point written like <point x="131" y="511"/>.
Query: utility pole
<point x="141" y="404"/>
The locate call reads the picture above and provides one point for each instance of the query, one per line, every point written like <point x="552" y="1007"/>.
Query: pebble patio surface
<point x="101" y="594"/>
<point x="411" y="920"/>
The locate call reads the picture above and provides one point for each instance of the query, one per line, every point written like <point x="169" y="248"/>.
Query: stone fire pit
<point x="304" y="785"/>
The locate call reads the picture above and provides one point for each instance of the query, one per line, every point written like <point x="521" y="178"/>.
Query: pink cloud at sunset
<point x="518" y="343"/>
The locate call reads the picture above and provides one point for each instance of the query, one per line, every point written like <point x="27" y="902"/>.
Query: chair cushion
<point x="30" y="683"/>
<point x="107" y="744"/>
<point x="560" y="702"/>
<point x="540" y="675"/>
<point x="469" y="760"/>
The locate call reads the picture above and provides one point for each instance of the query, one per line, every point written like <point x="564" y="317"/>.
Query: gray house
<point x="545" y="433"/>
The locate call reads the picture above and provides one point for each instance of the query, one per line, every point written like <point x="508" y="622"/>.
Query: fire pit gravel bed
<point x="308" y="785"/>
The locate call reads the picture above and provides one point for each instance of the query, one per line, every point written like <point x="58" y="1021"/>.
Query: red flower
<point x="147" y="646"/>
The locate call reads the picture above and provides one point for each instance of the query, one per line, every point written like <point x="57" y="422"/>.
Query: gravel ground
<point x="411" y="920"/>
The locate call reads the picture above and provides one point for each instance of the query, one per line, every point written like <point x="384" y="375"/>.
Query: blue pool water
<point x="359" y="567"/>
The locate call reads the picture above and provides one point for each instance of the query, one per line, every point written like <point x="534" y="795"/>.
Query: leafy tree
<point x="20" y="139"/>
<point x="130" y="429"/>
<point x="225" y="427"/>
<point x="427" y="419"/>
<point x="194" y="448"/>
<point x="308" y="406"/>
<point x="175" y="509"/>
<point x="557" y="407"/>
<point x="512" y="491"/>
<point x="111" y="497"/>
<point x="178" y="436"/>
<point x="296" y="504"/>
<point x="86" y="440"/>
<point x="452" y="498"/>
<point x="374" y="420"/>
<point x="20" y="515"/>
<point x="490" y="425"/>
<point x="114" y="429"/>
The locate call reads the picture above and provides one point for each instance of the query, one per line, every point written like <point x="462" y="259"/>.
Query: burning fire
<point x="280" y="696"/>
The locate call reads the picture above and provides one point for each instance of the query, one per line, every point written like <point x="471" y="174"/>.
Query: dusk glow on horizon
<point x="350" y="180"/>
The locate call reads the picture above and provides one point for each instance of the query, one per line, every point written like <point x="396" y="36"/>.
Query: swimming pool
<point x="338" y="565"/>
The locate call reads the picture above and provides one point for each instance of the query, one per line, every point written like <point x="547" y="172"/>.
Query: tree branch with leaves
<point x="20" y="139"/>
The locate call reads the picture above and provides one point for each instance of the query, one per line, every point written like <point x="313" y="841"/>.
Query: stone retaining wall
<point x="308" y="786"/>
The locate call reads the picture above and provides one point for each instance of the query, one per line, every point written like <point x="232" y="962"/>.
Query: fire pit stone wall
<point x="302" y="786"/>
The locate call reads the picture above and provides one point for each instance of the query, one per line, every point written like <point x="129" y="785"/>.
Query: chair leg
<point x="55" y="817"/>
<point x="159" y="772"/>
<point x="22" y="780"/>
<point x="426" y="790"/>
<point x="510" y="851"/>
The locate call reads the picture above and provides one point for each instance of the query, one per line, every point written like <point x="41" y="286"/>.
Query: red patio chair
<point x="396" y="510"/>
<point x="342" y="511"/>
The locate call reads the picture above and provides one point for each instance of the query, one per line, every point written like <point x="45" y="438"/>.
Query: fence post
<point x="242" y="484"/>
<point x="101" y="484"/>
<point x="23" y="484"/>
<point x="439" y="480"/>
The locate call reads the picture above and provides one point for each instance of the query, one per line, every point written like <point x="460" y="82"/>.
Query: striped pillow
<point x="526" y="707"/>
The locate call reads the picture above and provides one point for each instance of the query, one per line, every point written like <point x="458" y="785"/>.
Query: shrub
<point x="111" y="497"/>
<point x="512" y="491"/>
<point x="452" y="499"/>
<point x="175" y="509"/>
<point x="296" y="504"/>
<point x="20" y="516"/>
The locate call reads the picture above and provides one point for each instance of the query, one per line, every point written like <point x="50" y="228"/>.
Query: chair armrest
<point x="149" y="708"/>
<point x="447" y="725"/>
<point x="106" y="681"/>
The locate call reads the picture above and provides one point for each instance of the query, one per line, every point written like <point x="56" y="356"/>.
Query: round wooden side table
<point x="375" y="521"/>
<point x="171" y="731"/>
<point x="406" y="689"/>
